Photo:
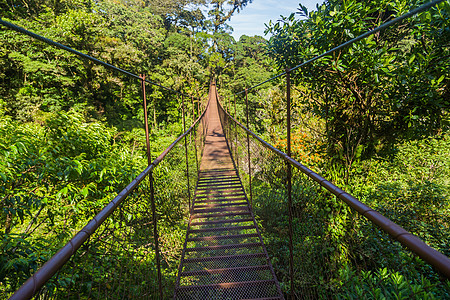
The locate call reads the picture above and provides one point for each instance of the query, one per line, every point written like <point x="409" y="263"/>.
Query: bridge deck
<point x="224" y="256"/>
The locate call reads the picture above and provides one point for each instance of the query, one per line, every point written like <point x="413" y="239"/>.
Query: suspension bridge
<point x="234" y="187"/>
<point x="223" y="255"/>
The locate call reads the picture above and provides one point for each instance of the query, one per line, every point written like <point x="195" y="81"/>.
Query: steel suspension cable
<point x="36" y="281"/>
<point x="430" y="255"/>
<point x="409" y="14"/>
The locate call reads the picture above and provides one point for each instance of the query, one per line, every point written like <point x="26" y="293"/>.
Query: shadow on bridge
<point x="224" y="256"/>
<point x="318" y="238"/>
<point x="123" y="251"/>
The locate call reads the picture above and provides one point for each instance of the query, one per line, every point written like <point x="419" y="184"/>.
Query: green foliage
<point x="71" y="136"/>
<point x="338" y="252"/>
<point x="41" y="77"/>
<point x="415" y="189"/>
<point x="388" y="87"/>
<point x="385" y="284"/>
<point x="222" y="10"/>
<point x="54" y="176"/>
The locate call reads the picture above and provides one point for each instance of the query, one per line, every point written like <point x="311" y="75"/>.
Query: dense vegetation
<point x="373" y="118"/>
<point x="72" y="132"/>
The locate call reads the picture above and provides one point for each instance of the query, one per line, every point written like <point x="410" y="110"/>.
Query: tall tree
<point x="222" y="10"/>
<point x="397" y="79"/>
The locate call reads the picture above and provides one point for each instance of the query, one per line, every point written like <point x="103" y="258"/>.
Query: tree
<point x="222" y="10"/>
<point x="362" y="92"/>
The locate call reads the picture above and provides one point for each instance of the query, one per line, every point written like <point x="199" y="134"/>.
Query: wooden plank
<point x="238" y="208"/>
<point x="219" y="188"/>
<point x="224" y="179"/>
<point x="219" y="184"/>
<point x="220" y="200"/>
<point x="203" y="196"/>
<point x="221" y="215"/>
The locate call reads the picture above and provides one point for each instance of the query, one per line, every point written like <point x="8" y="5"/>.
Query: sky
<point x="250" y="21"/>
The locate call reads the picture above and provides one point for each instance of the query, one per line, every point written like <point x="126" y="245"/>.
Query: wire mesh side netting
<point x="340" y="253"/>
<point x="172" y="198"/>
<point x="118" y="260"/>
<point x="337" y="253"/>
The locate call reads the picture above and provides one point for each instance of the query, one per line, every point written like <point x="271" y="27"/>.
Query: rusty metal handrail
<point x="407" y="239"/>
<point x="38" y="279"/>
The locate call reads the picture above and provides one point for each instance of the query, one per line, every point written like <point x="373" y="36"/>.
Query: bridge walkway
<point x="224" y="256"/>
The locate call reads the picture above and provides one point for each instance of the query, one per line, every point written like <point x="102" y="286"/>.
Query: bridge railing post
<point x="236" y="136"/>
<point x="248" y="151"/>
<point x="195" y="135"/>
<point x="155" y="233"/>
<point x="186" y="150"/>
<point x="289" y="178"/>
<point x="147" y="134"/>
<point x="152" y="190"/>
<point x="193" y="108"/>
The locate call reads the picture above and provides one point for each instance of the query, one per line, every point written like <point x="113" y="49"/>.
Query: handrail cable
<point x="44" y="273"/>
<point x="435" y="258"/>
<point x="82" y="55"/>
<point x="413" y="12"/>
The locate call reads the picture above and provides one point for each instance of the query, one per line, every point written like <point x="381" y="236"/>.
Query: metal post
<point x="198" y="106"/>
<point x="235" y="129"/>
<point x="203" y="123"/>
<point x="152" y="190"/>
<point x="195" y="133"/>
<point x="193" y="108"/>
<point x="155" y="233"/>
<point x="289" y="179"/>
<point x="186" y="151"/>
<point x="195" y="147"/>
<point x="248" y="151"/>
<point x="147" y="135"/>
<point x="193" y="119"/>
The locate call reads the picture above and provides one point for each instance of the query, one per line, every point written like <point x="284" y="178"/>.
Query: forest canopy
<point x="373" y="118"/>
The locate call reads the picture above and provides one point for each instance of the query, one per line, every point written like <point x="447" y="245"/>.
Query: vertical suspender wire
<point x="155" y="233"/>
<point x="192" y="120"/>
<point x="248" y="151"/>
<point x="147" y="135"/>
<point x="289" y="179"/>
<point x="236" y="135"/>
<point x="152" y="190"/>
<point x="193" y="108"/>
<point x="186" y="151"/>
<point x="195" y="134"/>
<point x="198" y="106"/>
<point x="196" y="151"/>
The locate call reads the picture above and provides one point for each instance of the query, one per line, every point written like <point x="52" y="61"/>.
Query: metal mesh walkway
<point x="224" y="256"/>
